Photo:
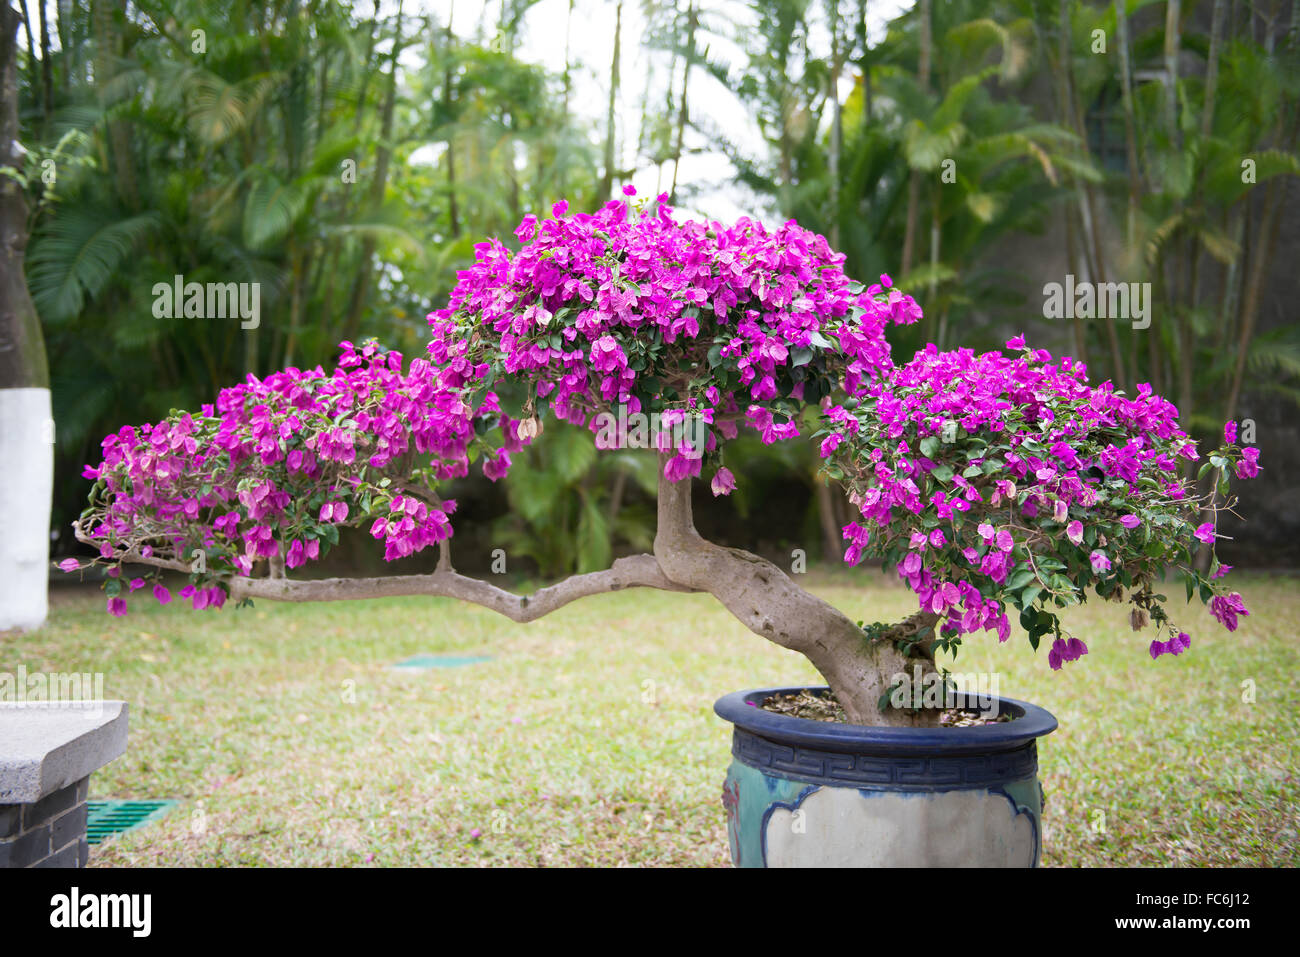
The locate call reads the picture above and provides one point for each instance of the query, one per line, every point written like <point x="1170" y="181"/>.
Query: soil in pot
<point x="816" y="707"/>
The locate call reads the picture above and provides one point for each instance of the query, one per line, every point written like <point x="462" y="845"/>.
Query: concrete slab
<point x="46" y="747"/>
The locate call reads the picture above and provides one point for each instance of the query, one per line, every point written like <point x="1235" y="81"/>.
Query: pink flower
<point x="723" y="482"/>
<point x="629" y="190"/>
<point x="682" y="466"/>
<point x="69" y="565"/>
<point x="1226" y="608"/>
<point x="1100" y="563"/>
<point x="162" y="594"/>
<point x="1063" y="651"/>
<point x="527" y="228"/>
<point x="496" y="468"/>
<point x="1005" y="541"/>
<point x="1248" y="467"/>
<point x="117" y="607"/>
<point x="1221" y="571"/>
<point x="1074" y="532"/>
<point x="1130" y="521"/>
<point x="1230" y="433"/>
<point x="1016" y="342"/>
<point x="1174" y="646"/>
<point x="1205" y="533"/>
<point x="559" y="209"/>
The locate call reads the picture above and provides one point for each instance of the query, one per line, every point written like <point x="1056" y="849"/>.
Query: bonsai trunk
<point x="768" y="603"/>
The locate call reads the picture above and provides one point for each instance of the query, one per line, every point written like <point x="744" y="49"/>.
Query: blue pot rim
<point x="742" y="709"/>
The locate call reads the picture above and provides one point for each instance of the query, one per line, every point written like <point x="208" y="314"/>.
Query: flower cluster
<point x="996" y="482"/>
<point x="630" y="309"/>
<point x="276" y="466"/>
<point x="627" y="309"/>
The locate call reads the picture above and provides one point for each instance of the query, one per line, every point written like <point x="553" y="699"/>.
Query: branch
<point x="635" y="571"/>
<point x="631" y="572"/>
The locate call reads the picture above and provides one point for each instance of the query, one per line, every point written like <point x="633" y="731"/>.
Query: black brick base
<point x="49" y="833"/>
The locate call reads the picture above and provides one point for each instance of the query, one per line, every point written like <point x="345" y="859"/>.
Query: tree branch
<point x="635" y="571"/>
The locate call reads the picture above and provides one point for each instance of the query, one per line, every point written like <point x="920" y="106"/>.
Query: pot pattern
<point x="794" y="804"/>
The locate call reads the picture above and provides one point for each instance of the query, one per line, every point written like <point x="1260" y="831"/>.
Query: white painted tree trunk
<point x="26" y="481"/>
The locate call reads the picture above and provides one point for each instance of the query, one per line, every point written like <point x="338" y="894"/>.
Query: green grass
<point x="590" y="739"/>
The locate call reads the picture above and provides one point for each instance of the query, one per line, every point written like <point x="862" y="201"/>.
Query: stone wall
<point x="48" y="833"/>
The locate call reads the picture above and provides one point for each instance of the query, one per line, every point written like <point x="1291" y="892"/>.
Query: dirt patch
<point x="813" y="706"/>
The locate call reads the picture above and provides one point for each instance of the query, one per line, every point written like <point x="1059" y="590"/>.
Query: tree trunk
<point x="453" y="213"/>
<point x="914" y="186"/>
<point x="692" y="20"/>
<point x="1083" y="191"/>
<point x="33" y="61"/>
<point x="47" y="71"/>
<point x="864" y="63"/>
<point x="607" y="178"/>
<point x="361" y="285"/>
<point x="769" y="604"/>
<point x="1212" y="71"/>
<point x="837" y="124"/>
<point x="1173" y="39"/>
<point x="26" y="425"/>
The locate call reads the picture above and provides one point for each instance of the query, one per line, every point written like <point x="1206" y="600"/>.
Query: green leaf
<point x="1020" y="579"/>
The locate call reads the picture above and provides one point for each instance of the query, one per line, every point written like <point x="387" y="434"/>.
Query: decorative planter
<point x="802" y="793"/>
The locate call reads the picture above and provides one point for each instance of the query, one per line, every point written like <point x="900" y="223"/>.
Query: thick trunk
<point x="772" y="606"/>
<point x="26" y="426"/>
<point x="22" y="347"/>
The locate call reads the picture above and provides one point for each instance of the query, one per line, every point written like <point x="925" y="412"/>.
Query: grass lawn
<point x="589" y="738"/>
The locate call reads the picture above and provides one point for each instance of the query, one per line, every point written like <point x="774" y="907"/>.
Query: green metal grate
<point x="106" y="818"/>
<point x="420" y="662"/>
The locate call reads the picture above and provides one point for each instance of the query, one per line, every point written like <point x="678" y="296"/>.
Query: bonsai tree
<point x="990" y="482"/>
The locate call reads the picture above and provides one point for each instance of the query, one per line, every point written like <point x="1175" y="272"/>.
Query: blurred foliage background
<point x="347" y="157"/>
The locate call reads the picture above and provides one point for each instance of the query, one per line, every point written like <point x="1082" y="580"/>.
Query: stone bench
<point x="47" y="754"/>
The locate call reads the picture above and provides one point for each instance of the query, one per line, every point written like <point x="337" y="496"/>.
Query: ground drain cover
<point x="106" y="818"/>
<point x="420" y="662"/>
